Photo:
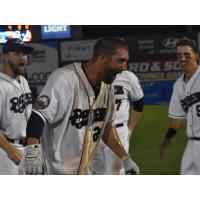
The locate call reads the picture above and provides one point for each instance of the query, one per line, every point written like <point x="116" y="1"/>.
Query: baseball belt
<point x="194" y="138"/>
<point x="119" y="125"/>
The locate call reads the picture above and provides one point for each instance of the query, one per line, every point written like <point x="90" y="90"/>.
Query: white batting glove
<point x="130" y="166"/>
<point x="34" y="163"/>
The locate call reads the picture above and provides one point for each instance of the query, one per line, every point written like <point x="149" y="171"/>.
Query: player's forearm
<point x="111" y="139"/>
<point x="176" y="123"/>
<point x="134" y="119"/>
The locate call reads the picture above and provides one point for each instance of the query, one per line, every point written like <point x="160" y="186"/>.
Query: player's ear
<point x="102" y="57"/>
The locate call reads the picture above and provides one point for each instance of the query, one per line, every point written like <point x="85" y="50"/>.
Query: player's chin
<point x="21" y="71"/>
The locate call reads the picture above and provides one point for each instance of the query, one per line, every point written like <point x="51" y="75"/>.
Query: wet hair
<point x="108" y="46"/>
<point x="188" y="42"/>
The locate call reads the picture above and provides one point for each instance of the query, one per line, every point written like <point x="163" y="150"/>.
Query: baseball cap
<point x="16" y="44"/>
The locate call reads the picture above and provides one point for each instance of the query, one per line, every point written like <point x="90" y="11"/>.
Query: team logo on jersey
<point x="189" y="101"/>
<point x="42" y="102"/>
<point x="18" y="104"/>
<point x="79" y="118"/>
<point x="118" y="89"/>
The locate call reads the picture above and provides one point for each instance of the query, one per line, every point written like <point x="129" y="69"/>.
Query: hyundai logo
<point x="170" y="42"/>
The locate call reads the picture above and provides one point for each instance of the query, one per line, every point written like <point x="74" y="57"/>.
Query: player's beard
<point x="110" y="75"/>
<point x="17" y="69"/>
<point x="109" y="78"/>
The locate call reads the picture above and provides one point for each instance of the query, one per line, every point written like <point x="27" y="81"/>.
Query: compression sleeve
<point x="138" y="105"/>
<point x="35" y="126"/>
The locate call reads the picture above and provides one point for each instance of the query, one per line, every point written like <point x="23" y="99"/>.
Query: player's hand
<point x="14" y="154"/>
<point x="34" y="162"/>
<point x="163" y="146"/>
<point x="130" y="166"/>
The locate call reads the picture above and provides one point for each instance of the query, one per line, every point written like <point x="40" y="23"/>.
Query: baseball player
<point x="128" y="91"/>
<point x="74" y="110"/>
<point x="185" y="104"/>
<point x="15" y="105"/>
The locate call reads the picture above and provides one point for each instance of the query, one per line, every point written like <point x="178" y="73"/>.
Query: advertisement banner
<point x="157" y="92"/>
<point x="76" y="50"/>
<point x="160" y="46"/>
<point x="156" y="69"/>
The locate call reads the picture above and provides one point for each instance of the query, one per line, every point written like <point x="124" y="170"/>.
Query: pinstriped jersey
<point x="185" y="103"/>
<point x="127" y="89"/>
<point x="69" y="108"/>
<point x="15" y="106"/>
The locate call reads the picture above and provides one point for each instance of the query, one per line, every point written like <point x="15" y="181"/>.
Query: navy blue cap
<point x="16" y="44"/>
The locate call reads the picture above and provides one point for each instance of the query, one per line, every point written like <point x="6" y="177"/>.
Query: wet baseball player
<point x="15" y="105"/>
<point x="128" y="91"/>
<point x="185" y="104"/>
<point x="74" y="110"/>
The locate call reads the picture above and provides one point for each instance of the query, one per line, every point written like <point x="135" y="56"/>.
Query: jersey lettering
<point x="96" y="133"/>
<point x="80" y="118"/>
<point x="18" y="104"/>
<point x="198" y="110"/>
<point x="190" y="100"/>
<point x="118" y="89"/>
<point x="118" y="103"/>
<point x="99" y="114"/>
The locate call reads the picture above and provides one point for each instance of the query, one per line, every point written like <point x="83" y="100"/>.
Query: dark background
<point x="93" y="31"/>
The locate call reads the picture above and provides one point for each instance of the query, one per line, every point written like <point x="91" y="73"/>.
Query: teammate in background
<point x="15" y="105"/>
<point x="185" y="103"/>
<point x="127" y="92"/>
<point x="74" y="110"/>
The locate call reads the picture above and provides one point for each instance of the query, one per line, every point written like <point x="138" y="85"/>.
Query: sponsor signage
<point x="155" y="46"/>
<point x="43" y="61"/>
<point x="77" y="50"/>
<point x="157" y="92"/>
<point x="156" y="69"/>
<point x="56" y="31"/>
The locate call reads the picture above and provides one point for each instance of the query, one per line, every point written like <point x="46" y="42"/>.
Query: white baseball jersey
<point x="71" y="112"/>
<point x="126" y="90"/>
<point x="185" y="103"/>
<point x="15" y="109"/>
<point x="15" y="106"/>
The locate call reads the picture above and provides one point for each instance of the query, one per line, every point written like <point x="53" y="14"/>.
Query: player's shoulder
<point x="66" y="72"/>
<point x="128" y="74"/>
<point x="127" y="77"/>
<point x="4" y="80"/>
<point x="179" y="82"/>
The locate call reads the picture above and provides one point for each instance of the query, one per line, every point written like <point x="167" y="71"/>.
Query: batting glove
<point x="34" y="163"/>
<point x="130" y="166"/>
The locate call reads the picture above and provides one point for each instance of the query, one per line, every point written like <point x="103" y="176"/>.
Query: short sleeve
<point x="136" y="91"/>
<point x="56" y="98"/>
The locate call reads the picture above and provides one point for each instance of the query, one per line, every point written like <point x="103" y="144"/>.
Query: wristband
<point x="171" y="132"/>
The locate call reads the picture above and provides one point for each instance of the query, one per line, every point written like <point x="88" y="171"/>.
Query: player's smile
<point x="186" y="58"/>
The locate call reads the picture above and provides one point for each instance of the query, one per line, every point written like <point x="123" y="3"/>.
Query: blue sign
<point x="56" y="31"/>
<point x="157" y="92"/>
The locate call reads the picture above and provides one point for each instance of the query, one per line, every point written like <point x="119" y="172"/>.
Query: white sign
<point x="77" y="50"/>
